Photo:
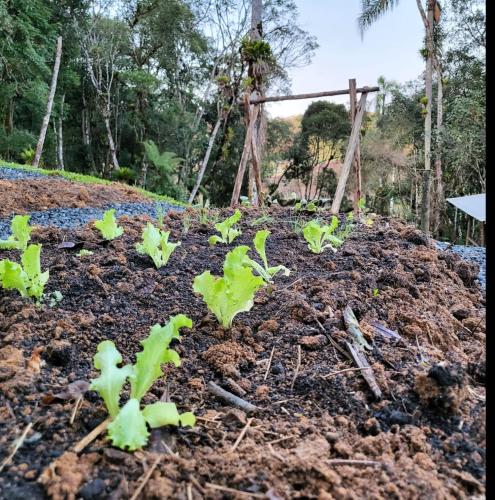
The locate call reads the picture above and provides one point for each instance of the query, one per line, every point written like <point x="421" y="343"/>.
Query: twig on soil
<point x="231" y="398"/>
<point x="241" y="435"/>
<point x="269" y="364"/>
<point x="234" y="491"/>
<point x="274" y="453"/>
<point x="189" y="491"/>
<point x="18" y="444"/>
<point x="343" y="371"/>
<point x="197" y="484"/>
<point x="282" y="401"/>
<point x="349" y="461"/>
<point x="236" y="387"/>
<point x="9" y="409"/>
<point x="328" y="336"/>
<point x="77" y="405"/>
<point x="366" y="370"/>
<point x="279" y="440"/>
<point x="298" y="366"/>
<point x="288" y="286"/>
<point x="91" y="436"/>
<point x="146" y="477"/>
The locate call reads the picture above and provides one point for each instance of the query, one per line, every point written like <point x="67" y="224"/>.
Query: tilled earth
<point x="318" y="433"/>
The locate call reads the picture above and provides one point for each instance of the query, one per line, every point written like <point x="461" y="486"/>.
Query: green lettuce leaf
<point x="155" y="244"/>
<point x="32" y="267"/>
<point x="234" y="292"/>
<point x="266" y="271"/>
<point x="128" y="430"/>
<point x="112" y="379"/>
<point x="225" y="228"/>
<point x="13" y="277"/>
<point x="21" y="234"/>
<point x="108" y="225"/>
<point x="316" y="235"/>
<point x="155" y="351"/>
<point x="159" y="414"/>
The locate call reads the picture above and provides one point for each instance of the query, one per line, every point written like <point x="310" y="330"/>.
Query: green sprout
<point x="108" y="226"/>
<point x="128" y="428"/>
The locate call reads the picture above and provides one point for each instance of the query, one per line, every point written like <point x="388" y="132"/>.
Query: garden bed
<point x="318" y="432"/>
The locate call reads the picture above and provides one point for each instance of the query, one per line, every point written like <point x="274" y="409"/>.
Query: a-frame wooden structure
<point x="352" y="156"/>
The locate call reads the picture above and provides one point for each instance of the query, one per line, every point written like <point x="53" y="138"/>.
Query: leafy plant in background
<point x="21" y="234"/>
<point x="316" y="235"/>
<point x="108" y="226"/>
<point x="128" y="429"/>
<point x="233" y="293"/>
<point x="155" y="244"/>
<point x="265" y="271"/>
<point x="225" y="228"/>
<point x="349" y="226"/>
<point x="27" y="155"/>
<point x="26" y="277"/>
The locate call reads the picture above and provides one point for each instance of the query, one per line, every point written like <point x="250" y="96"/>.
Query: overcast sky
<point x="389" y="48"/>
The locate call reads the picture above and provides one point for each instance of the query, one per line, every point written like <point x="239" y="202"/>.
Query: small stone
<point x="271" y="326"/>
<point x="31" y="474"/>
<point x="59" y="352"/>
<point x="262" y="391"/>
<point x="235" y="417"/>
<point x="92" y="489"/>
<point x="332" y="437"/>
<point x="313" y="341"/>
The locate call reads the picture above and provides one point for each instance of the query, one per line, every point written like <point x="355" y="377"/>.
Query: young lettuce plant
<point x="316" y="235"/>
<point x="233" y="293"/>
<point x="21" y="234"/>
<point x="26" y="277"/>
<point x="225" y="228"/>
<point x="266" y="272"/>
<point x="128" y="429"/>
<point x="155" y="244"/>
<point x="108" y="226"/>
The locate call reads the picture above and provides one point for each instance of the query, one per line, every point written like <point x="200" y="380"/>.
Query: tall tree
<point x="49" y="105"/>
<point x="371" y="10"/>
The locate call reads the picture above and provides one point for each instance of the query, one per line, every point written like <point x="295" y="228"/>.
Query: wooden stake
<point x="357" y="154"/>
<point x="252" y="116"/>
<point x="91" y="436"/>
<point x="349" y="156"/>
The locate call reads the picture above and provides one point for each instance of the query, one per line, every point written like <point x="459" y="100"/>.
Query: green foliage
<point x="376" y="292"/>
<point x="225" y="228"/>
<point x="84" y="252"/>
<point x="27" y="155"/>
<point x="21" y="234"/>
<point x="266" y="272"/>
<point x="26" y="277"/>
<point x="155" y="244"/>
<point x="316" y="235"/>
<point x="128" y="429"/>
<point x="108" y="226"/>
<point x="255" y="51"/>
<point x="125" y="174"/>
<point x="233" y="293"/>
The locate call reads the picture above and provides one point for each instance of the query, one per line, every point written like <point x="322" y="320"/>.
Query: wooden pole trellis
<point x="252" y="102"/>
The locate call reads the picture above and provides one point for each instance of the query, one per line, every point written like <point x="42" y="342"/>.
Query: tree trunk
<point x="205" y="160"/>
<point x="51" y="95"/>
<point x="60" y="136"/>
<point x="111" y="144"/>
<point x="439" y="194"/>
<point x="425" y="209"/>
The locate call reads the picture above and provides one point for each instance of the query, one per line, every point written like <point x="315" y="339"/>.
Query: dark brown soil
<point x="24" y="196"/>
<point x="427" y="434"/>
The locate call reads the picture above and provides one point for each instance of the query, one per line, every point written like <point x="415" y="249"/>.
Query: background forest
<point x="147" y="88"/>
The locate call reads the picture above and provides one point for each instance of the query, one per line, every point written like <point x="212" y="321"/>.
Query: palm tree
<point x="371" y="10"/>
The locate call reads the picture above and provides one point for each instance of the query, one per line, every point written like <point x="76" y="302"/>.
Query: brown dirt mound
<point x="26" y="195"/>
<point x="320" y="435"/>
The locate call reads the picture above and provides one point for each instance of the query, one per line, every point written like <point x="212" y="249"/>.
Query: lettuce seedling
<point x="128" y="429"/>
<point x="26" y="277"/>
<point x="156" y="245"/>
<point x="225" y="228"/>
<point x="265" y="271"/>
<point x="108" y="226"/>
<point x="21" y="234"/>
<point x="316" y="235"/>
<point x="234" y="292"/>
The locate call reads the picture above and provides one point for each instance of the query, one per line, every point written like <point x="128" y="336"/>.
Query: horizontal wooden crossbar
<point x="328" y="93"/>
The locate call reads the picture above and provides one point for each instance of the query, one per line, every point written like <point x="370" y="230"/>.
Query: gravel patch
<point x="473" y="254"/>
<point x="70" y="218"/>
<point x="13" y="174"/>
